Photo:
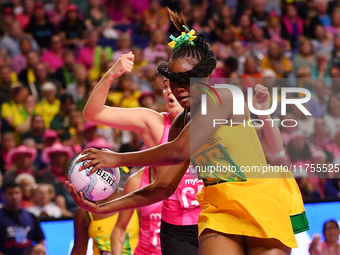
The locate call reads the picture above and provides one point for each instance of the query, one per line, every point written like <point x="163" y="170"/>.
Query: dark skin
<point x="177" y="153"/>
<point x="82" y="224"/>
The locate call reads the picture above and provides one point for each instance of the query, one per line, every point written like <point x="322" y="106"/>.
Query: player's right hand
<point x="123" y="65"/>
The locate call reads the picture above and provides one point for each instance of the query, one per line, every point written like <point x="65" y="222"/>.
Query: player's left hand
<point x="80" y="201"/>
<point x="261" y="99"/>
<point x="98" y="159"/>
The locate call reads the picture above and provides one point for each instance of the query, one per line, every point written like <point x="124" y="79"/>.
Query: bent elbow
<point x="180" y="156"/>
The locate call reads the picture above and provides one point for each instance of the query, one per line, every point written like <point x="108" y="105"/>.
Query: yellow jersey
<point x="100" y="231"/>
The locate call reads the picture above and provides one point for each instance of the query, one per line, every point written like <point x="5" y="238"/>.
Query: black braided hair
<point x="199" y="55"/>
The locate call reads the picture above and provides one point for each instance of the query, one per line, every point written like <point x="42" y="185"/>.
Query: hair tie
<point x="185" y="38"/>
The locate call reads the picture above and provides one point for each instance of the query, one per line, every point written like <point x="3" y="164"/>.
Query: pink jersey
<point x="149" y="240"/>
<point x="181" y="208"/>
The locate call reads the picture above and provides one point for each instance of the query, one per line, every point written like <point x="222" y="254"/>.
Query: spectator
<point x="305" y="186"/>
<point x="334" y="28"/>
<point x="38" y="249"/>
<point x="124" y="46"/>
<point x="224" y="21"/>
<point x="243" y="31"/>
<point x="54" y="57"/>
<point x="82" y="102"/>
<point x="96" y="16"/>
<point x="19" y="61"/>
<point x="17" y="7"/>
<point x="122" y="12"/>
<point x="157" y="85"/>
<point x="72" y="28"/>
<point x="62" y="121"/>
<point x="19" y="228"/>
<point x="320" y="138"/>
<point x="259" y="15"/>
<point x="305" y="56"/>
<point x="335" y="81"/>
<point x="58" y="156"/>
<point x="7" y="18"/>
<point x="332" y="187"/>
<point x="39" y="27"/>
<point x="8" y="143"/>
<point x="156" y="17"/>
<point x="304" y="79"/>
<point x="323" y="41"/>
<point x="90" y="133"/>
<point x="36" y="132"/>
<point x="21" y="158"/>
<point x="78" y="89"/>
<point x="277" y="32"/>
<point x="57" y="14"/>
<point x="298" y="149"/>
<point x="332" y="119"/>
<point x="43" y="206"/>
<point x="41" y="77"/>
<point x="50" y="105"/>
<point x="251" y="75"/>
<point x="129" y="92"/>
<point x="148" y="100"/>
<point x="293" y="24"/>
<point x="65" y="74"/>
<point x="240" y="54"/>
<point x="334" y="148"/>
<point x="330" y="245"/>
<point x="27" y="76"/>
<point x="318" y="178"/>
<point x="318" y="104"/>
<point x="258" y="45"/>
<point x="90" y="55"/>
<point x="305" y="123"/>
<point x="24" y="17"/>
<point x="276" y="61"/>
<point x="139" y="63"/>
<point x="5" y="84"/>
<point x="27" y="184"/>
<point x="17" y="112"/>
<point x="76" y="131"/>
<point x="223" y="46"/>
<point x="321" y="18"/>
<point x="197" y="21"/>
<point x="157" y="48"/>
<point x="335" y="55"/>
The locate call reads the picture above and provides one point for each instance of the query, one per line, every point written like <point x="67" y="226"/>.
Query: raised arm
<point x="172" y="153"/>
<point x="134" y="119"/>
<point x="269" y="134"/>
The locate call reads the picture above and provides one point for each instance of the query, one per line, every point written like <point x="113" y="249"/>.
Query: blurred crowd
<point x="53" y="53"/>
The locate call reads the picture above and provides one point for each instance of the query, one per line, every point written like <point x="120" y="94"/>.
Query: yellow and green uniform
<point x="47" y="110"/>
<point x="256" y="204"/>
<point x="100" y="231"/>
<point x="17" y="111"/>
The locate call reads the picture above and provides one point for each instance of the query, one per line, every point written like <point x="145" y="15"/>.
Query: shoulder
<point x="81" y="214"/>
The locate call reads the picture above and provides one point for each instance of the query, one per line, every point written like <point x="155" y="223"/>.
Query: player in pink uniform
<point x="179" y="212"/>
<point x="149" y="241"/>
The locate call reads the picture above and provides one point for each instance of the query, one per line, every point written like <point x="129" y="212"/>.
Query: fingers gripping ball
<point x="97" y="186"/>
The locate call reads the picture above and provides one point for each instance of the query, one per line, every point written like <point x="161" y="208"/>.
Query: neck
<point x="11" y="208"/>
<point x="38" y="132"/>
<point x="81" y="83"/>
